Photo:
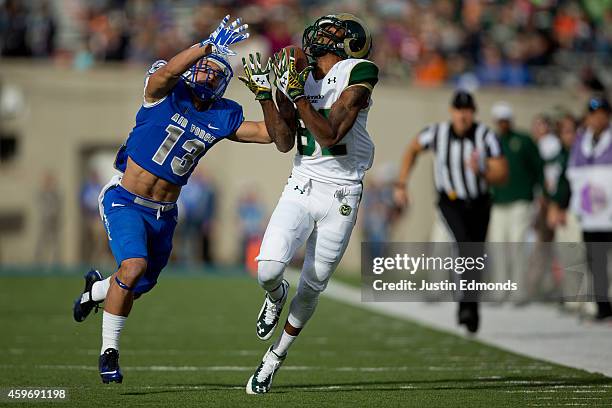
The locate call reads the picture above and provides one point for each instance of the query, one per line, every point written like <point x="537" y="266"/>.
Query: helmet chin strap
<point x="206" y="94"/>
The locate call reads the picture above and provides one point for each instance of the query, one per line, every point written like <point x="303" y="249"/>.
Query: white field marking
<point x="528" y="391"/>
<point x="558" y="404"/>
<point x="229" y="387"/>
<point x="589" y="391"/>
<point x="585" y="398"/>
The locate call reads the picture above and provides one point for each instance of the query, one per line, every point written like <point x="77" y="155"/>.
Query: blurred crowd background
<point x="513" y="43"/>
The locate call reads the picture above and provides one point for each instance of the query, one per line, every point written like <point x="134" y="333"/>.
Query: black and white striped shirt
<point x="452" y="176"/>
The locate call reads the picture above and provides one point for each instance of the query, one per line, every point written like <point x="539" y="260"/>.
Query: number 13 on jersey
<point x="180" y="165"/>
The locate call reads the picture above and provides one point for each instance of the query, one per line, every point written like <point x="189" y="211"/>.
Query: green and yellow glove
<point x="257" y="78"/>
<point x="288" y="80"/>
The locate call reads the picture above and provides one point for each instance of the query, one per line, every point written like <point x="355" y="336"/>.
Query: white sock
<point x="98" y="291"/>
<point x="283" y="343"/>
<point x="100" y="288"/>
<point x="111" y="329"/>
<point x="277" y="293"/>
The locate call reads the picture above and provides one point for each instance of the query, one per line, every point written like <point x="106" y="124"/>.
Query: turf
<point x="191" y="342"/>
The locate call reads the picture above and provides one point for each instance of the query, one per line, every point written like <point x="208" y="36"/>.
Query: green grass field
<point x="191" y="342"/>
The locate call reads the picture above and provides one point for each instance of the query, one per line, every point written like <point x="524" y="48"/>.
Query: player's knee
<point x="131" y="271"/>
<point x="307" y="293"/>
<point x="316" y="275"/>
<point x="270" y="274"/>
<point x="303" y="305"/>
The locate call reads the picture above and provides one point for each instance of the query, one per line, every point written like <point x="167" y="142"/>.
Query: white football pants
<point x="322" y="215"/>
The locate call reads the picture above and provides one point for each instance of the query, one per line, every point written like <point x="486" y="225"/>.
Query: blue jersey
<point x="171" y="136"/>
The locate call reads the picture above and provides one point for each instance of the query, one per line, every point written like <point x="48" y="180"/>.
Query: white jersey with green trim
<point x="346" y="162"/>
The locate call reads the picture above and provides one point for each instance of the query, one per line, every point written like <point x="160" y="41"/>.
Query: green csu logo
<point x="345" y="210"/>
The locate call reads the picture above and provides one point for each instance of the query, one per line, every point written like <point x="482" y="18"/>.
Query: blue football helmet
<point x="209" y="82"/>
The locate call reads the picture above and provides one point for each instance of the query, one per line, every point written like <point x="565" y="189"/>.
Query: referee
<point x="468" y="158"/>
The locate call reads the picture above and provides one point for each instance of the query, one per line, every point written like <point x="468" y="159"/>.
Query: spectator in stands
<point x="42" y="31"/>
<point x="50" y="207"/>
<point x="14" y="29"/>
<point x="251" y="213"/>
<point x="379" y="210"/>
<point x="198" y="204"/>
<point x="94" y="246"/>
<point x="511" y="43"/>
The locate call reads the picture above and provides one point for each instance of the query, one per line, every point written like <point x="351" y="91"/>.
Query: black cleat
<point x="80" y="311"/>
<point x="468" y="316"/>
<point x="109" y="366"/>
<point x="604" y="312"/>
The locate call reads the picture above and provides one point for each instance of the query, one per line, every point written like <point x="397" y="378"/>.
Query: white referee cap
<point x="502" y="111"/>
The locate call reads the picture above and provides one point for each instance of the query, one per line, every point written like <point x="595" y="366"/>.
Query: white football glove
<point x="225" y="36"/>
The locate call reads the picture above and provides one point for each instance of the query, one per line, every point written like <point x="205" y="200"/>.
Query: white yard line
<point x="537" y="331"/>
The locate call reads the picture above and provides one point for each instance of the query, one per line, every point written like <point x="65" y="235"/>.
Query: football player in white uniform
<point x="324" y="108"/>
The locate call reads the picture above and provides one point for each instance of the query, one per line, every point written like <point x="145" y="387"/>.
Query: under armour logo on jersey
<point x="330" y="80"/>
<point x="299" y="189"/>
<point x="260" y="81"/>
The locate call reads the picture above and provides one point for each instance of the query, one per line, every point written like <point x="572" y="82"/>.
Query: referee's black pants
<point x="468" y="222"/>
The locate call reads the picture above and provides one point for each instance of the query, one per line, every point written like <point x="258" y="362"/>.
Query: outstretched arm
<point x="251" y="132"/>
<point x="329" y="131"/>
<point x="400" y="195"/>
<point x="165" y="78"/>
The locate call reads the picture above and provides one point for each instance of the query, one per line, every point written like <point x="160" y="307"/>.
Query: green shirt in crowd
<point x="525" y="169"/>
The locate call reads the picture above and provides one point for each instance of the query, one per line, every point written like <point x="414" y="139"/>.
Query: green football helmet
<point x="342" y="34"/>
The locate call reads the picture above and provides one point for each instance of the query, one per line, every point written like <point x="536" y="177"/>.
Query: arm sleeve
<point x="364" y="73"/>
<point x="492" y="145"/>
<point x="427" y="136"/>
<point x="235" y="120"/>
<point x="154" y="67"/>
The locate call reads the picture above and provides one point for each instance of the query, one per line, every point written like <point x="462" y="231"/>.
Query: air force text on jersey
<point x="195" y="130"/>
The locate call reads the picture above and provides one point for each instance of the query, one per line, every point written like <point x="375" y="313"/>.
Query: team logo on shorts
<point x="345" y="210"/>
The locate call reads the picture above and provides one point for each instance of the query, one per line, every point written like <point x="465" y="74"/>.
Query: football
<point x="301" y="60"/>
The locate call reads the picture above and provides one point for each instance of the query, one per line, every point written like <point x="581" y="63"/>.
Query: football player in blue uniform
<point x="182" y="116"/>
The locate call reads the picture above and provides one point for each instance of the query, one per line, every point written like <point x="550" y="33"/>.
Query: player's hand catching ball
<point x="257" y="78"/>
<point x="224" y="36"/>
<point x="288" y="80"/>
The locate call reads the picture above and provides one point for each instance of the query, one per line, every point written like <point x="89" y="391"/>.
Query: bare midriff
<point x="141" y="182"/>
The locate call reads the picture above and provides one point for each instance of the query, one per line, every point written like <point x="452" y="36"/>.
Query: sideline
<point x="537" y="331"/>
